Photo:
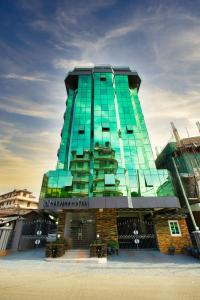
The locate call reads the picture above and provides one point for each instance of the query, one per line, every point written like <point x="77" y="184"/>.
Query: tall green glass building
<point x="105" y="162"/>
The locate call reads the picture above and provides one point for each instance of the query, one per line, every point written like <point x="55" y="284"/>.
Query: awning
<point x="8" y="219"/>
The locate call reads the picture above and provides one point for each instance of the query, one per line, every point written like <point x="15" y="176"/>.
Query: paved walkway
<point x="131" y="275"/>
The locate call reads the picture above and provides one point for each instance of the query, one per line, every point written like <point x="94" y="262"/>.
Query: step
<point x="77" y="256"/>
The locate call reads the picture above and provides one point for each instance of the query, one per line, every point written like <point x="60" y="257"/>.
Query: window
<point x="109" y="179"/>
<point x="148" y="181"/>
<point x="103" y="78"/>
<point x="81" y="129"/>
<point x="79" y="152"/>
<point x="174" y="228"/>
<point x="68" y="181"/>
<point x="129" y="129"/>
<point x="105" y="127"/>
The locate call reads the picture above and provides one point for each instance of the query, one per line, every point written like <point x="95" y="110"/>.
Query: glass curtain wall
<point x="105" y="148"/>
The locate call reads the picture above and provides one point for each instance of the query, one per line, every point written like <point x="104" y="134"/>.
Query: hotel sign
<point x="65" y="203"/>
<point x="108" y="202"/>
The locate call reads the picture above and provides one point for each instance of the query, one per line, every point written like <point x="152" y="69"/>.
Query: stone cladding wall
<point x="61" y="224"/>
<point x="106" y="224"/>
<point x="165" y="239"/>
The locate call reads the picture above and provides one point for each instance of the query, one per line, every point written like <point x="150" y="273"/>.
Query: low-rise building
<point x="16" y="201"/>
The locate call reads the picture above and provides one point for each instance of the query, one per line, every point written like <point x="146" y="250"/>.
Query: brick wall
<point x="61" y="224"/>
<point x="165" y="239"/>
<point x="106" y="224"/>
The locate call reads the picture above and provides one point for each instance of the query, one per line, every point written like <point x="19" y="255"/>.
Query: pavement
<point x="143" y="274"/>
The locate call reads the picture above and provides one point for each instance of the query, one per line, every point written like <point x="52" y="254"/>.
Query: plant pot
<point x="55" y="250"/>
<point x="98" y="250"/>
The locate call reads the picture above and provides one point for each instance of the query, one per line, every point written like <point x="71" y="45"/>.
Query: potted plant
<point x="113" y="247"/>
<point x="56" y="248"/>
<point x="98" y="249"/>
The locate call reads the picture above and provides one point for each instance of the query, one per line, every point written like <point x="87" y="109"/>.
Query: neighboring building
<point x="106" y="182"/>
<point x="16" y="201"/>
<point x="186" y="155"/>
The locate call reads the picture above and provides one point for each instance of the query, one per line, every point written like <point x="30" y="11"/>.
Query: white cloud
<point x="68" y="64"/>
<point x="161" y="106"/>
<point x="28" y="107"/>
<point x="25" y="155"/>
<point x="22" y="77"/>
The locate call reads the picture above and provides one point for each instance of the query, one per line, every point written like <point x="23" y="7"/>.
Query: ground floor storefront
<point x="130" y="228"/>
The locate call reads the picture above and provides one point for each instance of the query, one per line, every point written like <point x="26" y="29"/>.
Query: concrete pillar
<point x="142" y="224"/>
<point x="67" y="230"/>
<point x="61" y="224"/>
<point x="106" y="224"/>
<point x="17" y="235"/>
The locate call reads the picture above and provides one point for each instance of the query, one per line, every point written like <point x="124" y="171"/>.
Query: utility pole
<point x="198" y="125"/>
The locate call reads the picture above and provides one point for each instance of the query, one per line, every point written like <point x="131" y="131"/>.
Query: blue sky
<point x="42" y="40"/>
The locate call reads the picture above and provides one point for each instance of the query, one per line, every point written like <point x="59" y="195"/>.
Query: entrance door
<point x="134" y="233"/>
<point x="82" y="230"/>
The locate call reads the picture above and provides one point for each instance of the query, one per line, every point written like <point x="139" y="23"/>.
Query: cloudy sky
<point x="42" y="40"/>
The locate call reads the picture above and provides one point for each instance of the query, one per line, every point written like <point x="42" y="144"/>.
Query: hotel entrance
<point x="80" y="229"/>
<point x="135" y="231"/>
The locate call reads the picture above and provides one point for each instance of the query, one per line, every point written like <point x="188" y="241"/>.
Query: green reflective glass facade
<point x="105" y="148"/>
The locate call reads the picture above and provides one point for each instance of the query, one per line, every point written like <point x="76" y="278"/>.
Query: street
<point x="131" y="275"/>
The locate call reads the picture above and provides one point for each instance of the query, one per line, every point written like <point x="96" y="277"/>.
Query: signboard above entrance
<point x="108" y="202"/>
<point x="71" y="203"/>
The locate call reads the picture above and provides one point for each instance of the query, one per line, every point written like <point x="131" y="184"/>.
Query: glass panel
<point x="109" y="179"/>
<point x="79" y="152"/>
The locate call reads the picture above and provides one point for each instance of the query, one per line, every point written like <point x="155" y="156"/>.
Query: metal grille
<point x="134" y="233"/>
<point x="34" y="233"/>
